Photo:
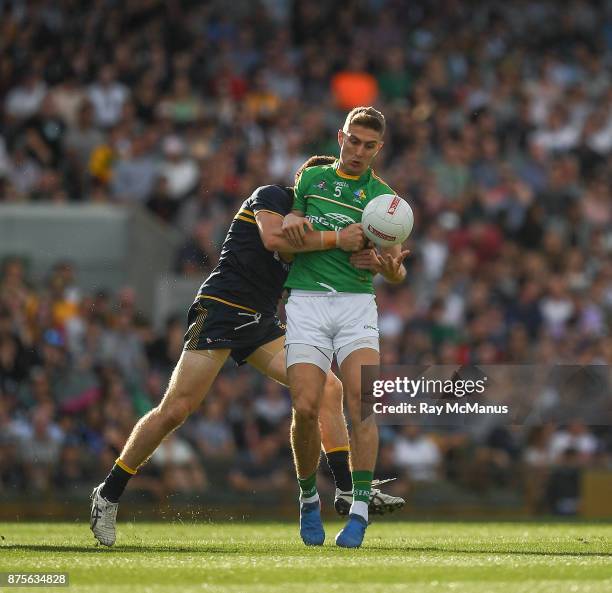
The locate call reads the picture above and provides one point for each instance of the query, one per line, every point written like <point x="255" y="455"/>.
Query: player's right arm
<point x="270" y="227"/>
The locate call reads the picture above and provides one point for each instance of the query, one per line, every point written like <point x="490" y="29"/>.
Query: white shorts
<point x="331" y="322"/>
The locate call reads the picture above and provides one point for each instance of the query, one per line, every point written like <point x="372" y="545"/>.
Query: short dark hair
<point x="368" y="117"/>
<point x="314" y="161"/>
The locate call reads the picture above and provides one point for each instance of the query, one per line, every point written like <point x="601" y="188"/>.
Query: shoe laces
<point x="376" y="483"/>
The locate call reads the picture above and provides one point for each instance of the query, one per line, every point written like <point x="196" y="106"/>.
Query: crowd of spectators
<point x="499" y="134"/>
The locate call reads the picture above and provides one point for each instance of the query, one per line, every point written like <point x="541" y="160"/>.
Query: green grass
<point x="249" y="557"/>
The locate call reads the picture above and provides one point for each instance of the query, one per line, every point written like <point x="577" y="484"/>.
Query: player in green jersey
<point x="332" y="310"/>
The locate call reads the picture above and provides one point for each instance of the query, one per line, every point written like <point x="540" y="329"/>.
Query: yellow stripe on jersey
<point x="214" y="298"/>
<point x="245" y="214"/>
<point x="195" y="329"/>
<point x="239" y="217"/>
<point x="346" y="175"/>
<point x="334" y="202"/>
<point x="270" y="211"/>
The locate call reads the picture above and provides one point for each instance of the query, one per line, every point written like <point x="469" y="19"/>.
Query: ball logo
<point x="381" y="235"/>
<point x="393" y="206"/>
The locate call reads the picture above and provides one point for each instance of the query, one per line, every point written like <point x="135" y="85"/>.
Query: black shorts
<point x="214" y="325"/>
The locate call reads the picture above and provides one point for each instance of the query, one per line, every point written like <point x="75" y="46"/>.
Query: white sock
<point x="309" y="499"/>
<point x="359" y="508"/>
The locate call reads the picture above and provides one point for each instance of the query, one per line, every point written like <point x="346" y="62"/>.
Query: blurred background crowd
<point x="499" y="134"/>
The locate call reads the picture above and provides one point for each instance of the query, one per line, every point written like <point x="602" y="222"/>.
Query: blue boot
<point x="352" y="534"/>
<point x="311" y="527"/>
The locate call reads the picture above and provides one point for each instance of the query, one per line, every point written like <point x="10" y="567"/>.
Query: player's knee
<point x="175" y="411"/>
<point x="306" y="410"/>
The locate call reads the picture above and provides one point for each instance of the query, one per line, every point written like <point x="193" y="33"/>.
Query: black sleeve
<point x="271" y="198"/>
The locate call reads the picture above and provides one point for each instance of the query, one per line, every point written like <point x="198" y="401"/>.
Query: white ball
<point x="387" y="220"/>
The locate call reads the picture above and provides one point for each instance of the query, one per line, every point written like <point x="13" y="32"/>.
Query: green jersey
<point x="332" y="200"/>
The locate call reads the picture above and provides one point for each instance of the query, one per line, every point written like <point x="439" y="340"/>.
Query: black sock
<point x="338" y="462"/>
<point x="115" y="483"/>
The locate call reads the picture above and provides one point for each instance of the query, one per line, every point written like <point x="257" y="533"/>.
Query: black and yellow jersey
<point x="248" y="275"/>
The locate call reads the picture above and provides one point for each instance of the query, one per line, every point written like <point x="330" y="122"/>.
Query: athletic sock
<point x="308" y="489"/>
<point x="116" y="481"/>
<point x="362" y="486"/>
<point x="338" y="461"/>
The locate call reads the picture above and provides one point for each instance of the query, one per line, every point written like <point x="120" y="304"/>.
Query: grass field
<point x="248" y="557"/>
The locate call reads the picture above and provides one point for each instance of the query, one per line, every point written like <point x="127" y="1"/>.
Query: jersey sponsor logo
<point x="340" y="218"/>
<point x="341" y="183"/>
<point x="393" y="206"/>
<point x="332" y="220"/>
<point x="381" y="234"/>
<point x="370" y="327"/>
<point x="320" y="185"/>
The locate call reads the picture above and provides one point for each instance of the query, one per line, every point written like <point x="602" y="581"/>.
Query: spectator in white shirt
<point x="557" y="307"/>
<point x="107" y="96"/>
<point x="24" y="100"/>
<point x="180" y="171"/>
<point x="560" y="134"/>
<point x="576" y="436"/>
<point x="417" y="454"/>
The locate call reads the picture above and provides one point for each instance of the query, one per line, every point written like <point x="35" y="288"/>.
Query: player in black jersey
<point x="234" y="314"/>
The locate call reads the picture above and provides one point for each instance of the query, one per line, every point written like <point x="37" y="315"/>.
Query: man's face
<point x="358" y="147"/>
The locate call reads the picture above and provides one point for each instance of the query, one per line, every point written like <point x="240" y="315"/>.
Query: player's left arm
<point x="388" y="263"/>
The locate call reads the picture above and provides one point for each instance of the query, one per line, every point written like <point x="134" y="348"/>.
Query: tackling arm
<point x="271" y="231"/>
